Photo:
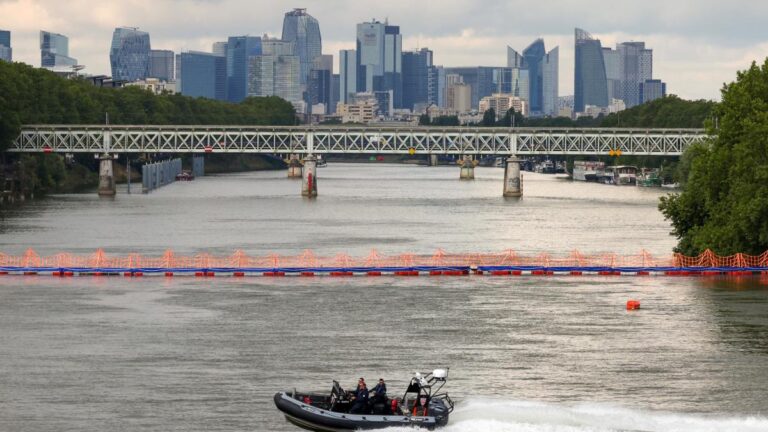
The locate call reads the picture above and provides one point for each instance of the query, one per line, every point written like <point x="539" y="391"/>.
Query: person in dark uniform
<point x="360" y="405"/>
<point x="380" y="390"/>
<point x="379" y="398"/>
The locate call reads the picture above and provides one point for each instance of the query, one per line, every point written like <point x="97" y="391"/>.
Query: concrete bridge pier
<point x="106" y="175"/>
<point x="294" y="167"/>
<point x="433" y="160"/>
<point x="467" y="169"/>
<point x="309" y="177"/>
<point x="513" y="180"/>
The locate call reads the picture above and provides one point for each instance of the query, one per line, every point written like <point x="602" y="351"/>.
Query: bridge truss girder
<point x="203" y="139"/>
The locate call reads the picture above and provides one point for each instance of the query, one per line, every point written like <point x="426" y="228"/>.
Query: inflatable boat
<point x="422" y="405"/>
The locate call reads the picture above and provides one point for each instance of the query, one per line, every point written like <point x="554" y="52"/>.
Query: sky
<point x="698" y="45"/>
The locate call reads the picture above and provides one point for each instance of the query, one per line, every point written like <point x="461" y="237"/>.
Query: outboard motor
<point x="438" y="409"/>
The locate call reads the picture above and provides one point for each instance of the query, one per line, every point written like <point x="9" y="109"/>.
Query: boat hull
<point x="316" y="419"/>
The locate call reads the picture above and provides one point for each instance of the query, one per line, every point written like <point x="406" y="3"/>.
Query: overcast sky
<point x="697" y="44"/>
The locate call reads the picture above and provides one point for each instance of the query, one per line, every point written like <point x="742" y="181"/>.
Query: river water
<point x="525" y="354"/>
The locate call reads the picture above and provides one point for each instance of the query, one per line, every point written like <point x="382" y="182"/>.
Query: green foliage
<point x="724" y="206"/>
<point x="37" y="96"/>
<point x="489" y="118"/>
<point x="668" y="112"/>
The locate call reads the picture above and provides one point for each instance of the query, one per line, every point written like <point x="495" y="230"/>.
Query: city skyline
<point x="460" y="33"/>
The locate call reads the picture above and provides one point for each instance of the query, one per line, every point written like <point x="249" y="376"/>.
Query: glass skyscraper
<point x="54" y="50"/>
<point x="6" y="53"/>
<point x="129" y="54"/>
<point x="203" y="75"/>
<point x="535" y="76"/>
<point x="590" y="82"/>
<point x="320" y="84"/>
<point x="275" y="72"/>
<point x="379" y="59"/>
<point x="417" y="66"/>
<point x="161" y="65"/>
<point x="347" y="75"/>
<point x="533" y="56"/>
<point x="239" y="51"/>
<point x="304" y="31"/>
<point x="550" y="70"/>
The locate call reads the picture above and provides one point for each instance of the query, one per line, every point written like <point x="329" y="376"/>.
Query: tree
<point x="724" y="206"/>
<point x="489" y="118"/>
<point x="424" y="120"/>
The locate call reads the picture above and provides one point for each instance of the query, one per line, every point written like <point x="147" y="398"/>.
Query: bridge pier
<point x="513" y="180"/>
<point x="433" y="160"/>
<point x="106" y="175"/>
<point x="309" y="177"/>
<point x="294" y="167"/>
<point x="467" y="169"/>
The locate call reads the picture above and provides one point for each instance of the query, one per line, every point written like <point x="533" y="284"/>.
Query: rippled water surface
<point x="525" y="354"/>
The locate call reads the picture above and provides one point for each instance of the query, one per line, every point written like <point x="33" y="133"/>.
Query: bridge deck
<point x="353" y="140"/>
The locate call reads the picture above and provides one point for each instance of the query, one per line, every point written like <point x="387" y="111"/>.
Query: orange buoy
<point x="633" y="304"/>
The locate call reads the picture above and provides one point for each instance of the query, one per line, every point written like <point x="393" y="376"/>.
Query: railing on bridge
<point x="340" y="139"/>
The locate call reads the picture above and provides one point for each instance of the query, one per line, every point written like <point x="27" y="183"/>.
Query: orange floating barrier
<point x="576" y="273"/>
<point x="57" y="273"/>
<point x="500" y="273"/>
<point x="69" y="273"/>
<point x="168" y="274"/>
<point x="435" y="273"/>
<point x="633" y="304"/>
<point x="238" y="274"/>
<point x="643" y="273"/>
<point x="307" y="274"/>
<point x="517" y="272"/>
<point x="127" y="274"/>
<point x="199" y="274"/>
<point x="538" y="272"/>
<point x="373" y="273"/>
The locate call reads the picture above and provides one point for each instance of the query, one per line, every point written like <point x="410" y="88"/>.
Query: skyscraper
<point x="320" y="83"/>
<point x="590" y="83"/>
<point x="636" y="65"/>
<point x="417" y="66"/>
<point x="161" y="65"/>
<point x="652" y="89"/>
<point x="129" y="54"/>
<point x="347" y="75"/>
<point x="550" y="70"/>
<point x="203" y="75"/>
<point x="6" y="53"/>
<point x="276" y="71"/>
<point x="304" y="31"/>
<point x="239" y="51"/>
<point x="379" y="59"/>
<point x="533" y="56"/>
<point x="54" y="50"/>
<point x="219" y="49"/>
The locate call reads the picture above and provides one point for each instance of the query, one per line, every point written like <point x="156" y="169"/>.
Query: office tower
<point x="590" y="83"/>
<point x="483" y="80"/>
<point x="239" y="51"/>
<point x="550" y="69"/>
<point x="319" y="84"/>
<point x="6" y="53"/>
<point x="219" y="49"/>
<point x="304" y="31"/>
<point x="347" y="75"/>
<point x="335" y="91"/>
<point x="458" y="96"/>
<point x="533" y="56"/>
<point x="276" y="71"/>
<point x="652" y="89"/>
<point x="129" y="54"/>
<point x="514" y="59"/>
<point x="439" y="91"/>
<point x="203" y="75"/>
<point x="54" y="50"/>
<point x="379" y="59"/>
<point x="416" y="69"/>
<point x="636" y="66"/>
<point x="612" y="73"/>
<point x="161" y="65"/>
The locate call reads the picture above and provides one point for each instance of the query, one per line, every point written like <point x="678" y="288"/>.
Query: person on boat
<point x="420" y="407"/>
<point x="380" y="390"/>
<point x="360" y="404"/>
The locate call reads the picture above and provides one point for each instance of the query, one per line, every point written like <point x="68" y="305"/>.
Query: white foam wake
<point x="493" y="415"/>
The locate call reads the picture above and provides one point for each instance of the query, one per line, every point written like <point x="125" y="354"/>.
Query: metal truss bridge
<point x="341" y="139"/>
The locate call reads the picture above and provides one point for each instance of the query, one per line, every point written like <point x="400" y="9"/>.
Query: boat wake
<point x="494" y="415"/>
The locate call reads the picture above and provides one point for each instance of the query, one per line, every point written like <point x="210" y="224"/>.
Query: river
<point x="525" y="354"/>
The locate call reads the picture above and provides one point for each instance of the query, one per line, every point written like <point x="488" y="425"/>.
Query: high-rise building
<point x="161" y="65"/>
<point x="6" y="53"/>
<point x="612" y="73"/>
<point x="54" y="50"/>
<point x="417" y="68"/>
<point x="219" y="49"/>
<point x="275" y="72"/>
<point x="636" y="65"/>
<point x="533" y="56"/>
<point x="335" y="91"/>
<point x="129" y="54"/>
<point x="590" y="82"/>
<point x="483" y="80"/>
<point x="514" y="59"/>
<point x="347" y="75"/>
<point x="320" y="84"/>
<point x="503" y="102"/>
<point x="652" y="89"/>
<point x="203" y="75"/>
<point x="304" y="31"/>
<point x="379" y="59"/>
<point x="550" y="70"/>
<point x="239" y="51"/>
<point x="458" y="96"/>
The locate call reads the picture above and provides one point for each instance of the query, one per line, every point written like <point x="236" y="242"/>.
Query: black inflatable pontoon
<point x="421" y="406"/>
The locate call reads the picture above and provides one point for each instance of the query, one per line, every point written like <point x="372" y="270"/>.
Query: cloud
<point x="698" y="44"/>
